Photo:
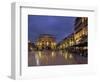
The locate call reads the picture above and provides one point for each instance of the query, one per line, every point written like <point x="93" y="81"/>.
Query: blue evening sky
<point x="58" y="26"/>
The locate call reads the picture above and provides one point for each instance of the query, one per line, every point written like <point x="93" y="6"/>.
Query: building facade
<point x="67" y="42"/>
<point x="46" y="41"/>
<point x="81" y="30"/>
<point x="78" y="39"/>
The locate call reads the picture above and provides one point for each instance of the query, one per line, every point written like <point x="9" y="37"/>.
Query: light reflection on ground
<point x="47" y="57"/>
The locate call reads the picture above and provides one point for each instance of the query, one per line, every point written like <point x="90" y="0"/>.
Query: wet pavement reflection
<point x="47" y="57"/>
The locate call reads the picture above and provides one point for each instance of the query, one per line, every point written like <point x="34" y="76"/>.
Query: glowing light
<point x="40" y="43"/>
<point x="85" y="48"/>
<point x="47" y="43"/>
<point x="70" y="56"/>
<point x="37" y="60"/>
<point x="63" y="45"/>
<point x="60" y="46"/>
<point x="31" y="48"/>
<point x="53" y="53"/>
<point x="66" y="56"/>
<point x="54" y="43"/>
<point x="40" y="54"/>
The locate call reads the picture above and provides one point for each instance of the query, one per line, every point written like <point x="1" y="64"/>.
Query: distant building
<point x="46" y="41"/>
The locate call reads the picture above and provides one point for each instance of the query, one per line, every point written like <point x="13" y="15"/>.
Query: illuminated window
<point x="40" y="43"/>
<point x="47" y="43"/>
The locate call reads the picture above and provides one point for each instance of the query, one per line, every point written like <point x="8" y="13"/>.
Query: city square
<point x="51" y="46"/>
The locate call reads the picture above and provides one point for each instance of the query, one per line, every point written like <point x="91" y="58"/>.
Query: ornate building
<point x="46" y="41"/>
